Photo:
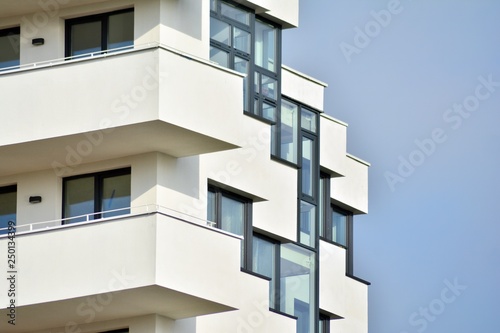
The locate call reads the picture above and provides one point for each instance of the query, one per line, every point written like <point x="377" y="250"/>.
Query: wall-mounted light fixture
<point x="38" y="41"/>
<point x="35" y="199"/>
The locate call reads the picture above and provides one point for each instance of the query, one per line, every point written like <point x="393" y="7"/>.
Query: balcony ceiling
<point x="122" y="304"/>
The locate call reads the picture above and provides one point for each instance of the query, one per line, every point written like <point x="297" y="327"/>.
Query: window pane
<point x="289" y="131"/>
<point x="241" y="40"/>
<point x="264" y="263"/>
<point x="235" y="13"/>
<point x="323" y="203"/>
<point x="308" y="120"/>
<point x="86" y="38"/>
<point x="241" y="65"/>
<point x="297" y="286"/>
<point x="121" y="30"/>
<point x="9" y="47"/>
<point x="339" y="227"/>
<point x="78" y="198"/>
<point x="269" y="87"/>
<point x="269" y="111"/>
<point x="8" y="203"/>
<point x="307" y="164"/>
<point x="213" y="5"/>
<point x="219" y="56"/>
<point x="307" y="223"/>
<point x="220" y="31"/>
<point x="116" y="195"/>
<point x="265" y="46"/>
<point x="211" y="207"/>
<point x="232" y="215"/>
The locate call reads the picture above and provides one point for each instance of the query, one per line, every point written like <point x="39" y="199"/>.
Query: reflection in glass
<point x="264" y="261"/>
<point x="269" y="87"/>
<point x="220" y="31"/>
<point x="297" y="286"/>
<point x="241" y="66"/>
<point x="265" y="46"/>
<point x="241" y="40"/>
<point x="289" y="131"/>
<point x="269" y="111"/>
<point x="116" y="195"/>
<point x="86" y="38"/>
<point x="339" y="227"/>
<point x="307" y="224"/>
<point x="219" y="56"/>
<point x="308" y="120"/>
<point x="307" y="164"/>
<point x="121" y="30"/>
<point x="235" y="13"/>
<point x="79" y="198"/>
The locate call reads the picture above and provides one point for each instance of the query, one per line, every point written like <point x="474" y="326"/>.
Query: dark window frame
<point x="248" y="226"/>
<point x="98" y="184"/>
<point x="327" y="224"/>
<point x="253" y="95"/>
<point x="103" y="18"/>
<point x="324" y="319"/>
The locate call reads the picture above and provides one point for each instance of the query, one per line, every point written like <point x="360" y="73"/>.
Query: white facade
<point x="175" y="118"/>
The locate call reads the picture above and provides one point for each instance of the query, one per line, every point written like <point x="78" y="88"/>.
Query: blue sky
<point x="420" y="91"/>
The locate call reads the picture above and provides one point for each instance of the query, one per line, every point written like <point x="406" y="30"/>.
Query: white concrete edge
<point x="305" y="76"/>
<point x="357" y="159"/>
<point x="340" y="122"/>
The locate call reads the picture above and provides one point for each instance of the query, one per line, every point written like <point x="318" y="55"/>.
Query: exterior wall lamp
<point x="35" y="199"/>
<point x="38" y="41"/>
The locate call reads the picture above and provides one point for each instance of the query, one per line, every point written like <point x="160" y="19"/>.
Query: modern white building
<point x="161" y="171"/>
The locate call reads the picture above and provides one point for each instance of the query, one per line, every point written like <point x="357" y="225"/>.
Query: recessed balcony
<point x="112" y="105"/>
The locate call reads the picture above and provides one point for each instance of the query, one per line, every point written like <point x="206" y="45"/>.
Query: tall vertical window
<point x="8" y="206"/>
<point x="232" y="213"/>
<point x="335" y="223"/>
<point x="101" y="32"/>
<point x="10" y="47"/>
<point x="324" y="323"/>
<point x="101" y="195"/>
<point x="265" y="254"/>
<point x="241" y="41"/>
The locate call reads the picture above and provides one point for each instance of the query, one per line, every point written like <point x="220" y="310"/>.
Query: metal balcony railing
<point x="110" y="215"/>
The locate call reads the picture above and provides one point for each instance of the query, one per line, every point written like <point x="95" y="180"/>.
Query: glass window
<point x="269" y="111"/>
<point x="265" y="45"/>
<point x="235" y="13"/>
<point x="339" y="227"/>
<point x="289" y="131"/>
<point x="324" y="323"/>
<point x="307" y="166"/>
<point x="116" y="195"/>
<point x="10" y="47"/>
<point x="85" y="35"/>
<point x="107" y="192"/>
<point x="308" y="120"/>
<point x="230" y="212"/>
<point x="219" y="56"/>
<point x="86" y="38"/>
<point x="297" y="286"/>
<point x="264" y="262"/>
<point x="241" y="40"/>
<point x="121" y="30"/>
<point x="307" y="224"/>
<point x="220" y="31"/>
<point x="79" y="200"/>
<point x="269" y="87"/>
<point x="8" y="207"/>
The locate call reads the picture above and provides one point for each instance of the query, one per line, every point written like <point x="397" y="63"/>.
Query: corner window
<point x="95" y="196"/>
<point x="8" y="207"/>
<point x="246" y="43"/>
<point x="10" y="47"/>
<point x="96" y="33"/>
<point x="232" y="213"/>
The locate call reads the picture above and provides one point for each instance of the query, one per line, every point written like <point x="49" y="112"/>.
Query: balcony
<point x="110" y="105"/>
<point x="150" y="261"/>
